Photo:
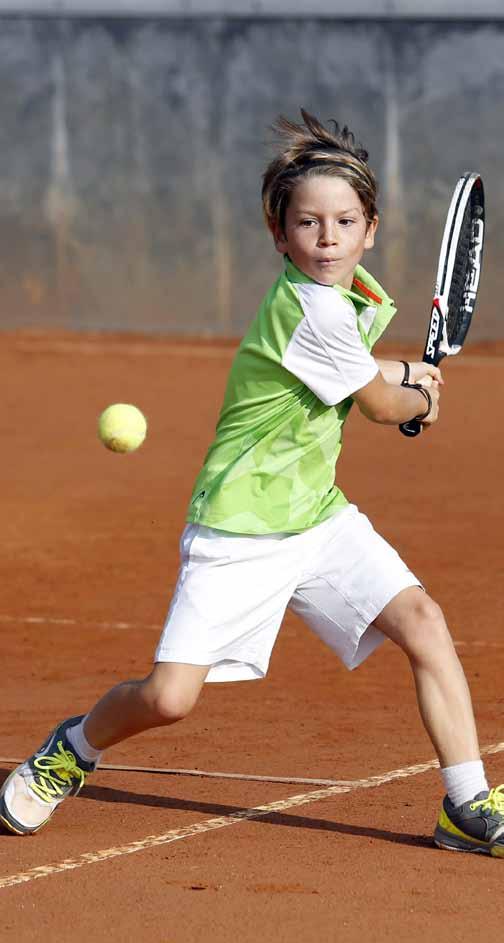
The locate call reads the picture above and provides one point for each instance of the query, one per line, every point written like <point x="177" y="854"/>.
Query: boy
<point x="267" y="525"/>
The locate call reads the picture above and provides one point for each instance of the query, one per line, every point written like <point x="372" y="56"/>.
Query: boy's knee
<point x="170" y="703"/>
<point x="428" y="612"/>
<point x="425" y="630"/>
<point x="173" y="705"/>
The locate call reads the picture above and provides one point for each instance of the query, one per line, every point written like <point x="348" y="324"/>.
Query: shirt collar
<point x="365" y="289"/>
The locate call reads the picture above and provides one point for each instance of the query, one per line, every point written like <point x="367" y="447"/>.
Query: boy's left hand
<point x="419" y="371"/>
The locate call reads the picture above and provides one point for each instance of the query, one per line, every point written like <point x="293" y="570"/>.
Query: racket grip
<point x="411" y="428"/>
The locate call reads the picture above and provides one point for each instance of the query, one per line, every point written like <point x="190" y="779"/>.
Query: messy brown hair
<point x="309" y="150"/>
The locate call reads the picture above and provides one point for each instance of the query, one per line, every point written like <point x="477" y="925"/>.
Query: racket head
<point x="459" y="270"/>
<point x="458" y="277"/>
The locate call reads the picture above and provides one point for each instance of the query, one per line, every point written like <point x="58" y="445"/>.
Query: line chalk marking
<point x="206" y="774"/>
<point x="50" y="620"/>
<point x="177" y="834"/>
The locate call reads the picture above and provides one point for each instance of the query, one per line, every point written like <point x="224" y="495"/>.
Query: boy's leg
<point x="415" y="622"/>
<point x="168" y="694"/>
<point x="358" y="590"/>
<point x="33" y="791"/>
<point x="472" y="818"/>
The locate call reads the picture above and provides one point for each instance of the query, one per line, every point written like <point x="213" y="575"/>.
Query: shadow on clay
<point x="107" y="794"/>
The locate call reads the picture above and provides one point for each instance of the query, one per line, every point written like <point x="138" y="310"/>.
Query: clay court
<point x="90" y="555"/>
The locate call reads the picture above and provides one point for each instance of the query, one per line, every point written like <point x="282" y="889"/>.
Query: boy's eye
<point x="308" y="222"/>
<point x="346" y="222"/>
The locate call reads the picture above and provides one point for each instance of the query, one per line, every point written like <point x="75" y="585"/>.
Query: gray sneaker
<point x="476" y="826"/>
<point x="31" y="793"/>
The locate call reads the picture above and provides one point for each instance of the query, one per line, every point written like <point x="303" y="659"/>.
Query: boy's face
<point x="326" y="231"/>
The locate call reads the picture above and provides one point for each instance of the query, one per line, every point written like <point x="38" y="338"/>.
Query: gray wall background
<point x="131" y="152"/>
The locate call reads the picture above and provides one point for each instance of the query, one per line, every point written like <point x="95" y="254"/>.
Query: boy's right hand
<point x="421" y="371"/>
<point x="433" y="386"/>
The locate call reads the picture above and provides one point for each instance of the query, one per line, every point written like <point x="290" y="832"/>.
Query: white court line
<point x="480" y="643"/>
<point x="234" y="818"/>
<point x="202" y="774"/>
<point x="52" y="620"/>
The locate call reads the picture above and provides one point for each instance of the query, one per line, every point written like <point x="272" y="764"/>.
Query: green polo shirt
<point x="271" y="467"/>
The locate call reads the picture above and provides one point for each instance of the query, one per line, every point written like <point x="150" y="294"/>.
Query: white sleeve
<point x="326" y="351"/>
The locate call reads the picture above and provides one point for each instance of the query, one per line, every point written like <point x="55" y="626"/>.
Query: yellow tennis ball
<point x="122" y="427"/>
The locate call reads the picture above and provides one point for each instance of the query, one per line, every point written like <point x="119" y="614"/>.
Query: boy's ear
<point x="279" y="238"/>
<point x="370" y="232"/>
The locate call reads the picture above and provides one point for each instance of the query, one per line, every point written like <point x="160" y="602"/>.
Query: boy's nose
<point x="328" y="236"/>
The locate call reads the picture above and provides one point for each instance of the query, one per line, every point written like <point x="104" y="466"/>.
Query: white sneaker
<point x="33" y="791"/>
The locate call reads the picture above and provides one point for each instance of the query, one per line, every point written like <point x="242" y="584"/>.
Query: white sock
<point x="80" y="743"/>
<point x="464" y="781"/>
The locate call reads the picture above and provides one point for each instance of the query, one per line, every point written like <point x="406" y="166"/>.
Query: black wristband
<point x="425" y="393"/>
<point x="428" y="400"/>
<point x="405" y="379"/>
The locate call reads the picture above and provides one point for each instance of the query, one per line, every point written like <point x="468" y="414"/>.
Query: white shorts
<point x="233" y="590"/>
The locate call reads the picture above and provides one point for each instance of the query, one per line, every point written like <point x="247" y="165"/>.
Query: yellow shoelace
<point x="494" y="801"/>
<point x="56" y="772"/>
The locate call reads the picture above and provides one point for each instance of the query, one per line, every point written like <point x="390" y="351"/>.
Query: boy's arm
<point x="326" y="352"/>
<point x="391" y="405"/>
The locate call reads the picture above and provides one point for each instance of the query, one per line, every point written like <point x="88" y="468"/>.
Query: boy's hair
<point x="310" y="150"/>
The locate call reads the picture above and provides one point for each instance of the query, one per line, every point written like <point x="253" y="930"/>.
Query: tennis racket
<point x="457" y="278"/>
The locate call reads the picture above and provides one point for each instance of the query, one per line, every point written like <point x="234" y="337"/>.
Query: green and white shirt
<point x="271" y="466"/>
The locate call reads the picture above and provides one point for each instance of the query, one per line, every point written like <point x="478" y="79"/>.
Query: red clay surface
<point x="92" y="538"/>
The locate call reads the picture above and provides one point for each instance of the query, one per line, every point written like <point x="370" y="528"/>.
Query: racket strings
<point x="459" y="311"/>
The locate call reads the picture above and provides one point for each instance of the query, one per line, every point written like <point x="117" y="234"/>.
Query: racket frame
<point x="437" y="344"/>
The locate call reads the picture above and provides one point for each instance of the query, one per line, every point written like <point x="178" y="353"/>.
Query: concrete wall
<point x="131" y="152"/>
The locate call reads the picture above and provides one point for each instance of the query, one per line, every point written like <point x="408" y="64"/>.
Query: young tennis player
<point x="267" y="525"/>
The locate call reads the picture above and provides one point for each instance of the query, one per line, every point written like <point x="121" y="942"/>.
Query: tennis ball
<point x="122" y="427"/>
